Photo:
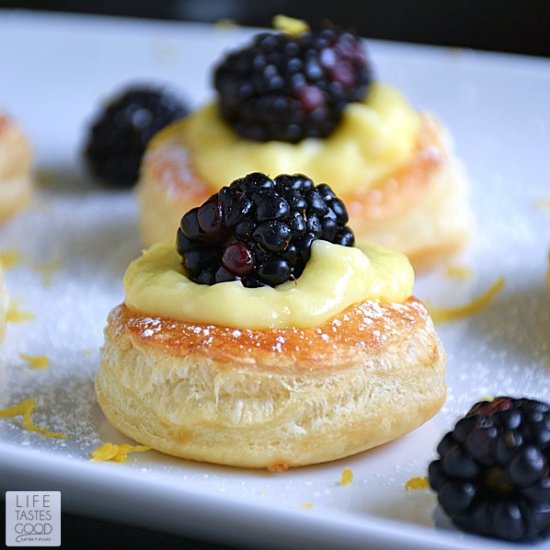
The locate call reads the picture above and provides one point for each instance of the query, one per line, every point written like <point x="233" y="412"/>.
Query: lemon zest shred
<point x="305" y="505"/>
<point x="10" y="258"/>
<point x="16" y="315"/>
<point x="290" y="25"/>
<point x="25" y="409"/>
<point x="460" y="272"/>
<point x="478" y="303"/>
<point x="543" y="203"/>
<point x="418" y="483"/>
<point x="226" y="23"/>
<point x="347" y="476"/>
<point x="36" y="361"/>
<point x="116" y="452"/>
<point x="47" y="269"/>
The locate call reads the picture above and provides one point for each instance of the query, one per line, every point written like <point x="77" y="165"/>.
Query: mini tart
<point x="272" y="398"/>
<point x="421" y="208"/>
<point x="15" y="168"/>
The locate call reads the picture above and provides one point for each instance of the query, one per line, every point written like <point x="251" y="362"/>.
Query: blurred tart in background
<point x="306" y="101"/>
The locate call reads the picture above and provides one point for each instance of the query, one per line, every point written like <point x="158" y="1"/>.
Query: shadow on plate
<point x="66" y="179"/>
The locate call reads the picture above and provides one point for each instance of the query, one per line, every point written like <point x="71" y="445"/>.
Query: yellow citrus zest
<point x="289" y="25"/>
<point x="35" y="361"/>
<point x="16" y="315"/>
<point x="477" y="304"/>
<point x="226" y="24"/>
<point x="116" y="452"/>
<point x="25" y="409"/>
<point x="10" y="258"/>
<point x="417" y="484"/>
<point x="460" y="272"/>
<point x="47" y="269"/>
<point x="347" y="477"/>
<point x="543" y="203"/>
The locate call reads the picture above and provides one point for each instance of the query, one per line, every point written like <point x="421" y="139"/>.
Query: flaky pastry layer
<point x="15" y="168"/>
<point x="273" y="398"/>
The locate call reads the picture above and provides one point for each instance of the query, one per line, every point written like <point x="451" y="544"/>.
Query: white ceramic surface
<point x="54" y="71"/>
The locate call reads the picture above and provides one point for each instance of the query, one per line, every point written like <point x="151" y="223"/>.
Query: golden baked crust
<point x="272" y="398"/>
<point x="15" y="168"/>
<point x="401" y="211"/>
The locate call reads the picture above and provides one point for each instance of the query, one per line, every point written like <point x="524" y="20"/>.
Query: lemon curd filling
<point x="374" y="138"/>
<point x="335" y="278"/>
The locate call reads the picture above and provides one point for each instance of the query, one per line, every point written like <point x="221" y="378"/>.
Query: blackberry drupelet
<point x="118" y="137"/>
<point x="288" y="88"/>
<point x="259" y="230"/>
<point x="493" y="476"/>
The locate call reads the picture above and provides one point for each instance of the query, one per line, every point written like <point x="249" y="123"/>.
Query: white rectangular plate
<point x="54" y="72"/>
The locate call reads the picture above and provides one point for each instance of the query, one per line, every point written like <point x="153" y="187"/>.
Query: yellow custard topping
<point x="335" y="278"/>
<point x="373" y="139"/>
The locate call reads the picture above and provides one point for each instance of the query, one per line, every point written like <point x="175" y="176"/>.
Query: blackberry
<point x="493" y="476"/>
<point x="259" y="230"/>
<point x="287" y="88"/>
<point x="119" y="135"/>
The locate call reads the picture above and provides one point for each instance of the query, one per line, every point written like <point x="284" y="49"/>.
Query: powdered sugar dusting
<point x="150" y="326"/>
<point x="70" y="307"/>
<point x="279" y="342"/>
